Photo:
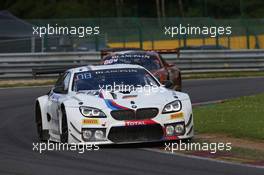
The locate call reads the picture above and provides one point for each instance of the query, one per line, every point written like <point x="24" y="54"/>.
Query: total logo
<point x="139" y="122"/>
<point x="135" y="123"/>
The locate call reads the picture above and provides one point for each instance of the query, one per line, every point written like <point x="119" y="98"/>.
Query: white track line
<point x="201" y="158"/>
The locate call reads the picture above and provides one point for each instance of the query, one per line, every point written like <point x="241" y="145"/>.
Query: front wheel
<point x="39" y="126"/>
<point x="64" y="127"/>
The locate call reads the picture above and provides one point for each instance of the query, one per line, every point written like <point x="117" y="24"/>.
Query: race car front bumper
<point x="171" y="126"/>
<point x="153" y="132"/>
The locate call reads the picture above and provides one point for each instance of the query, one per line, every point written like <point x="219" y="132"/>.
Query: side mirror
<point x="59" y="90"/>
<point x="168" y="84"/>
<point x="158" y="78"/>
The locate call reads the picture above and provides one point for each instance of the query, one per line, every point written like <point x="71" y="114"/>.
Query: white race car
<point x="112" y="104"/>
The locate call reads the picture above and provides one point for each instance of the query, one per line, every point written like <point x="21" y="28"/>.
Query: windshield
<point x="150" y="62"/>
<point x="111" y="78"/>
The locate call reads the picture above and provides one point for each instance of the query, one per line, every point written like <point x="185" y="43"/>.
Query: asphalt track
<point x="17" y="132"/>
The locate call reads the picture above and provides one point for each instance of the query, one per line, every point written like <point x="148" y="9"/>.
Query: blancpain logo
<point x="135" y="123"/>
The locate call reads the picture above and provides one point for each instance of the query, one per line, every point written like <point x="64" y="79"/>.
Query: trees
<point x="133" y="8"/>
<point x="160" y="8"/>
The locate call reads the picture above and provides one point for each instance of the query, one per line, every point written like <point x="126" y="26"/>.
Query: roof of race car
<point x="103" y="67"/>
<point x="134" y="52"/>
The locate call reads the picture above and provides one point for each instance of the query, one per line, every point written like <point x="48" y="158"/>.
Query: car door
<point x="57" y="97"/>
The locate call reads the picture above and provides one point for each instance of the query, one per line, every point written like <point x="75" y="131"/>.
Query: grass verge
<point x="241" y="118"/>
<point x="238" y="121"/>
<point x="237" y="154"/>
<point x="246" y="153"/>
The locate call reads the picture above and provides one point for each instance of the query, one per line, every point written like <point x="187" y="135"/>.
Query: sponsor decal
<point x="139" y="122"/>
<point x="83" y="76"/>
<point x="90" y="121"/>
<point x="55" y="97"/>
<point x="178" y="115"/>
<point x="111" y="61"/>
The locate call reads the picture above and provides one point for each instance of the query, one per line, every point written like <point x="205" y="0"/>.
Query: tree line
<point x="32" y="9"/>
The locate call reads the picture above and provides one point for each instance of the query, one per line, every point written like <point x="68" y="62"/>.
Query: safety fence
<point x="19" y="66"/>
<point x="147" y="33"/>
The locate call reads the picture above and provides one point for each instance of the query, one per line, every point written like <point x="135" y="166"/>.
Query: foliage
<point x="133" y="8"/>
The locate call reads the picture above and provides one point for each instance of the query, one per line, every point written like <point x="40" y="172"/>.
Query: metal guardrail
<point x="190" y="61"/>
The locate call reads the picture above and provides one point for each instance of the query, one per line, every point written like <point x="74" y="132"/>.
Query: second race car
<point x="151" y="60"/>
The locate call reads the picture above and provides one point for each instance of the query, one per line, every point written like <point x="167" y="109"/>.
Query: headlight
<point x="179" y="129"/>
<point x="94" y="134"/>
<point x="169" y="130"/>
<point x="87" y="134"/>
<point x="175" y="129"/>
<point x="99" y="135"/>
<point x="174" y="106"/>
<point x="91" y="112"/>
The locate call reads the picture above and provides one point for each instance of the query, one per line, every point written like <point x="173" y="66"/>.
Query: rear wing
<point x="45" y="71"/>
<point x="108" y="51"/>
<point x="50" y="70"/>
<point x="167" y="51"/>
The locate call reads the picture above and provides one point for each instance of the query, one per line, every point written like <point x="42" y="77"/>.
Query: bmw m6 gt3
<point x="112" y="104"/>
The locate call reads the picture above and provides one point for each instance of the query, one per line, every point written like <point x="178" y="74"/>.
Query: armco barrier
<point x="190" y="61"/>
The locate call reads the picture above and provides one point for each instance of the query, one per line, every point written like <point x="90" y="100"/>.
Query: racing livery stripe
<point x="171" y="138"/>
<point x="118" y="106"/>
<point x="114" y="106"/>
<point x="111" y="104"/>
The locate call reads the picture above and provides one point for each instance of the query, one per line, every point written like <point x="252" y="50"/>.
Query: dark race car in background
<point x="165" y="72"/>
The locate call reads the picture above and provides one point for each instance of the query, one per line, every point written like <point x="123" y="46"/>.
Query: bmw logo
<point x="134" y="106"/>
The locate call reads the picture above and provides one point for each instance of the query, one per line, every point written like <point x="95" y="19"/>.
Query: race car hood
<point x="128" y="100"/>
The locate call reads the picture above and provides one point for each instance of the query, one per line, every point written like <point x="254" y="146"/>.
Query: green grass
<point x="242" y="118"/>
<point x="239" y="152"/>
<point x="248" y="153"/>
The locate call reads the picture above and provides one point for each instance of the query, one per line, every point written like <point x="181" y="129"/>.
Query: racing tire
<point x="38" y="121"/>
<point x="64" y="127"/>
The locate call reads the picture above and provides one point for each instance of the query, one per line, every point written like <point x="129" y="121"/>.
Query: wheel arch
<point x="42" y="103"/>
<point x="62" y="107"/>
